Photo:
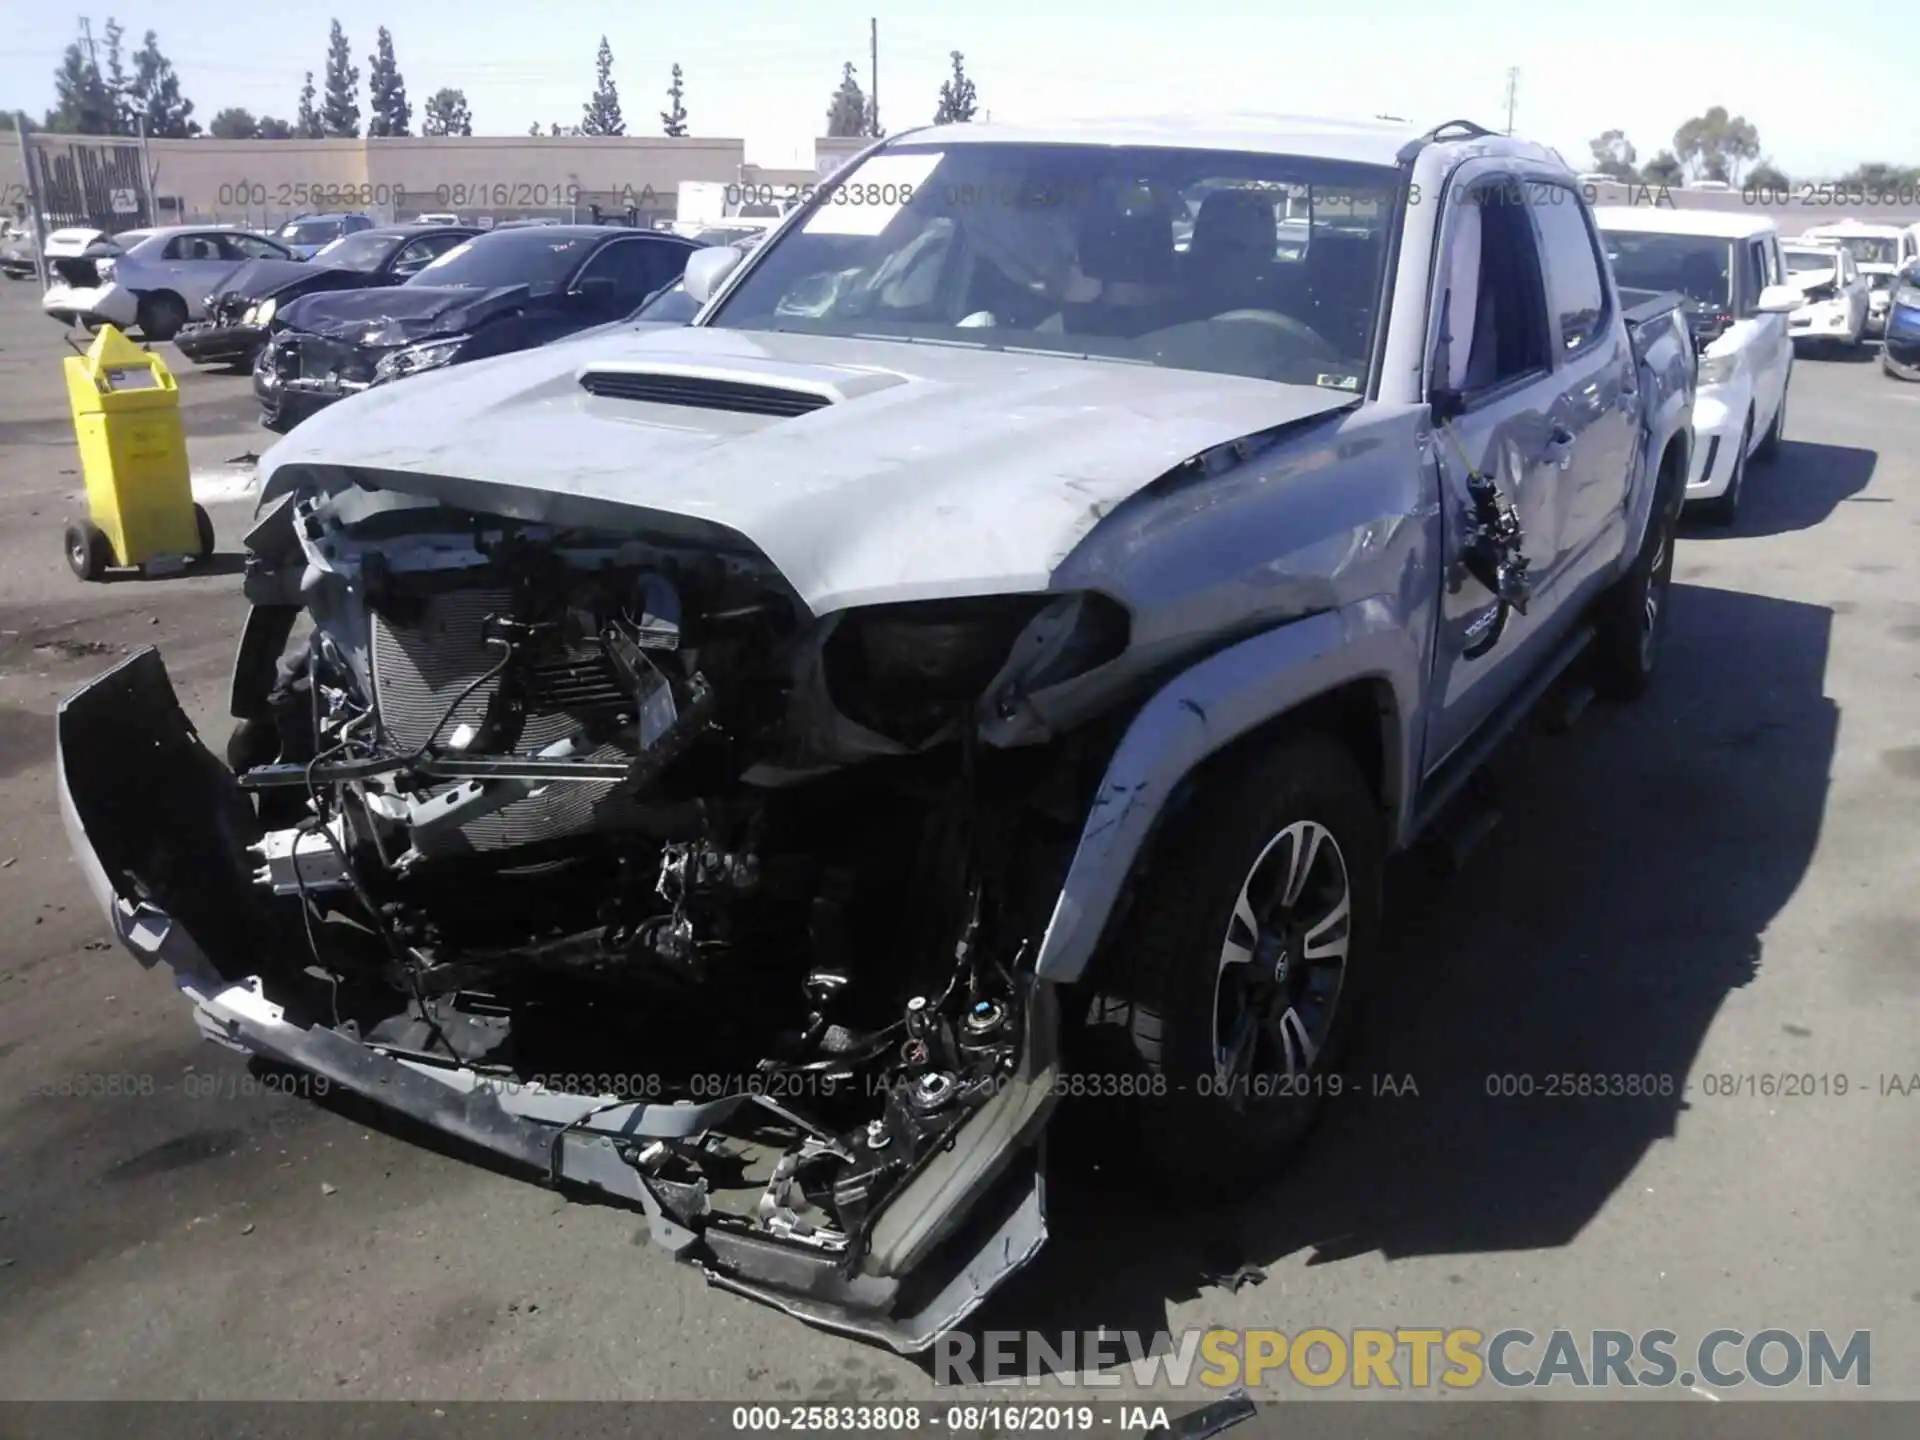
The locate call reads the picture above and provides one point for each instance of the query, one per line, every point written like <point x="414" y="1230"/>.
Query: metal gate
<point x="96" y="181"/>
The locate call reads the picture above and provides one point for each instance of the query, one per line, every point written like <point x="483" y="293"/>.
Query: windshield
<point x="1698" y="266"/>
<point x="363" y="251"/>
<point x="1801" y="262"/>
<point x="508" y="257"/>
<point x="309" y="232"/>
<point x="1183" y="258"/>
<point x="670" y="306"/>
<point x="1867" y="249"/>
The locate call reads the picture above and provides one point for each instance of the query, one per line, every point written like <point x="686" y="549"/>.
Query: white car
<point x="1881" y="251"/>
<point x="157" y="280"/>
<point x="1835" y="293"/>
<point x="1729" y="266"/>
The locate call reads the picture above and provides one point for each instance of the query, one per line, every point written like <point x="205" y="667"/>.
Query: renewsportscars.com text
<point x="1410" y="1358"/>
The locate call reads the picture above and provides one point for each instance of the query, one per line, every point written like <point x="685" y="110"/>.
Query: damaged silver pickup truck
<point x="758" y="769"/>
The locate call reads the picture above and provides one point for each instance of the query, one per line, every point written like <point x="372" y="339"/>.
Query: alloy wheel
<point x="1283" y="961"/>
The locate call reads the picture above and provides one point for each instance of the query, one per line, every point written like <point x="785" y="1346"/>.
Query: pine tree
<point x="674" y="122"/>
<point x="389" y="112"/>
<point x="447" y="114"/>
<point x="958" y="101"/>
<point x="306" y="120"/>
<point x="602" y="112"/>
<point x="155" y="93"/>
<point x="340" y="112"/>
<point x="82" y="104"/>
<point x="118" y="85"/>
<point x="847" y="115"/>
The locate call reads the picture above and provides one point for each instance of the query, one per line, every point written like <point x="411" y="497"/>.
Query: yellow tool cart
<point x="133" y="451"/>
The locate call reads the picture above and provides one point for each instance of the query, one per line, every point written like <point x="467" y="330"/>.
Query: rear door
<point x="1490" y="340"/>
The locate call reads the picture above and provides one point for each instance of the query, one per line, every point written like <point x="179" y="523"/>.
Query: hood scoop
<point x="747" y="390"/>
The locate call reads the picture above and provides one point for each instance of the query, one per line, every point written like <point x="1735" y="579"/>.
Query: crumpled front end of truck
<point x="603" y="855"/>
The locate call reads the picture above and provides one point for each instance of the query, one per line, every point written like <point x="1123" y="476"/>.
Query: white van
<point x="1728" y="265"/>
<point x="1881" y="251"/>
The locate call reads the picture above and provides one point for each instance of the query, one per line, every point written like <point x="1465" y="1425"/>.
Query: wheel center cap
<point x="1282" y="962"/>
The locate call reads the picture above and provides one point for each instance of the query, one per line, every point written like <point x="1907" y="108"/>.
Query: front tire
<point x="1245" y="961"/>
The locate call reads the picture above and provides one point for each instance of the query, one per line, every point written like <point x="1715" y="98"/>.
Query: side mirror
<point x="1446" y="403"/>
<point x="1779" y="300"/>
<point x="707" y="269"/>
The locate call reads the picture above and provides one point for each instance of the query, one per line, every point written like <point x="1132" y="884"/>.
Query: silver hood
<point x="929" y="471"/>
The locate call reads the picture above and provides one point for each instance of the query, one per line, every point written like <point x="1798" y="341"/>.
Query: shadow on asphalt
<point x="1597" y="932"/>
<point x="1796" y="490"/>
<point x="1865" y="353"/>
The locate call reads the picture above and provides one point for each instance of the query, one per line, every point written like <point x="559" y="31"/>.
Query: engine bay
<point x="588" y="815"/>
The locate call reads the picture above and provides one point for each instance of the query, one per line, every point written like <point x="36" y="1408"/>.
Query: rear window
<point x="1698" y="266"/>
<point x="1807" y="262"/>
<point x="310" y="232"/>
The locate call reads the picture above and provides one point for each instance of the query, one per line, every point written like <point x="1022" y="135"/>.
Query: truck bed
<point x="1645" y="305"/>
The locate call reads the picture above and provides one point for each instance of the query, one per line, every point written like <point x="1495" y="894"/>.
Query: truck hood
<point x="401" y="314"/>
<point x="925" y="471"/>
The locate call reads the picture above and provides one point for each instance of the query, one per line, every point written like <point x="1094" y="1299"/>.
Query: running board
<point x="1464" y="763"/>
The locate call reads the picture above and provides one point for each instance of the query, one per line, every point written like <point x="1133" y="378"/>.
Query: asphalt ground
<point x="1717" y="885"/>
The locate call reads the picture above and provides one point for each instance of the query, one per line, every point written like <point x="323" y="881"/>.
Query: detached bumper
<point x="210" y="344"/>
<point x="159" y="827"/>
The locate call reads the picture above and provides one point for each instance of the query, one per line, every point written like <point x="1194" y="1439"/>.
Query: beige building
<point x="263" y="182"/>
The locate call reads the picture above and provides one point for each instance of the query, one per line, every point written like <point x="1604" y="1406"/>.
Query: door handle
<point x="1559" y="446"/>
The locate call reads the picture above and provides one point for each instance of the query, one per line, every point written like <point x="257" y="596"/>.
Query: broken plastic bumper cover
<point x="160" y="828"/>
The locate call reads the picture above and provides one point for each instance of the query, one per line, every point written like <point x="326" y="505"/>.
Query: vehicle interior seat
<point x="1704" y="278"/>
<point x="1125" y="245"/>
<point x="1339" y="282"/>
<point x="1229" y="262"/>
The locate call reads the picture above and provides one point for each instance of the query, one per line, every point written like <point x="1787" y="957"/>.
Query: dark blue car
<point x="500" y="291"/>
<point x="1901" y="357"/>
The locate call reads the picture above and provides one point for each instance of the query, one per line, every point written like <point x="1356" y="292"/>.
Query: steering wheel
<point x="1317" y="343"/>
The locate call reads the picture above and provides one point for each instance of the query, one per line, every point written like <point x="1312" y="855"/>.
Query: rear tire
<point x="1723" y="509"/>
<point x="1244" y="962"/>
<point x="1633" y="617"/>
<point x="161" y="315"/>
<point x="89" y="553"/>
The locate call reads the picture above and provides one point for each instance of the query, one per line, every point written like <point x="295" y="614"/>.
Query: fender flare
<point x="1206" y="707"/>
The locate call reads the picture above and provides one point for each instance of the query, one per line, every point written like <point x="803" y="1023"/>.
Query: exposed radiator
<point x="418" y="669"/>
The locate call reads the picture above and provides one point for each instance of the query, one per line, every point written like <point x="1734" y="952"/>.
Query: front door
<point x="1496" y="353"/>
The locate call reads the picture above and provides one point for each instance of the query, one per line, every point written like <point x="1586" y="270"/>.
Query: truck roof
<point x="1369" y="142"/>
<point x="1659" y="220"/>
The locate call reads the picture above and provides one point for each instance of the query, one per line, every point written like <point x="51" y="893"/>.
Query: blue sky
<point x="1828" y="86"/>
